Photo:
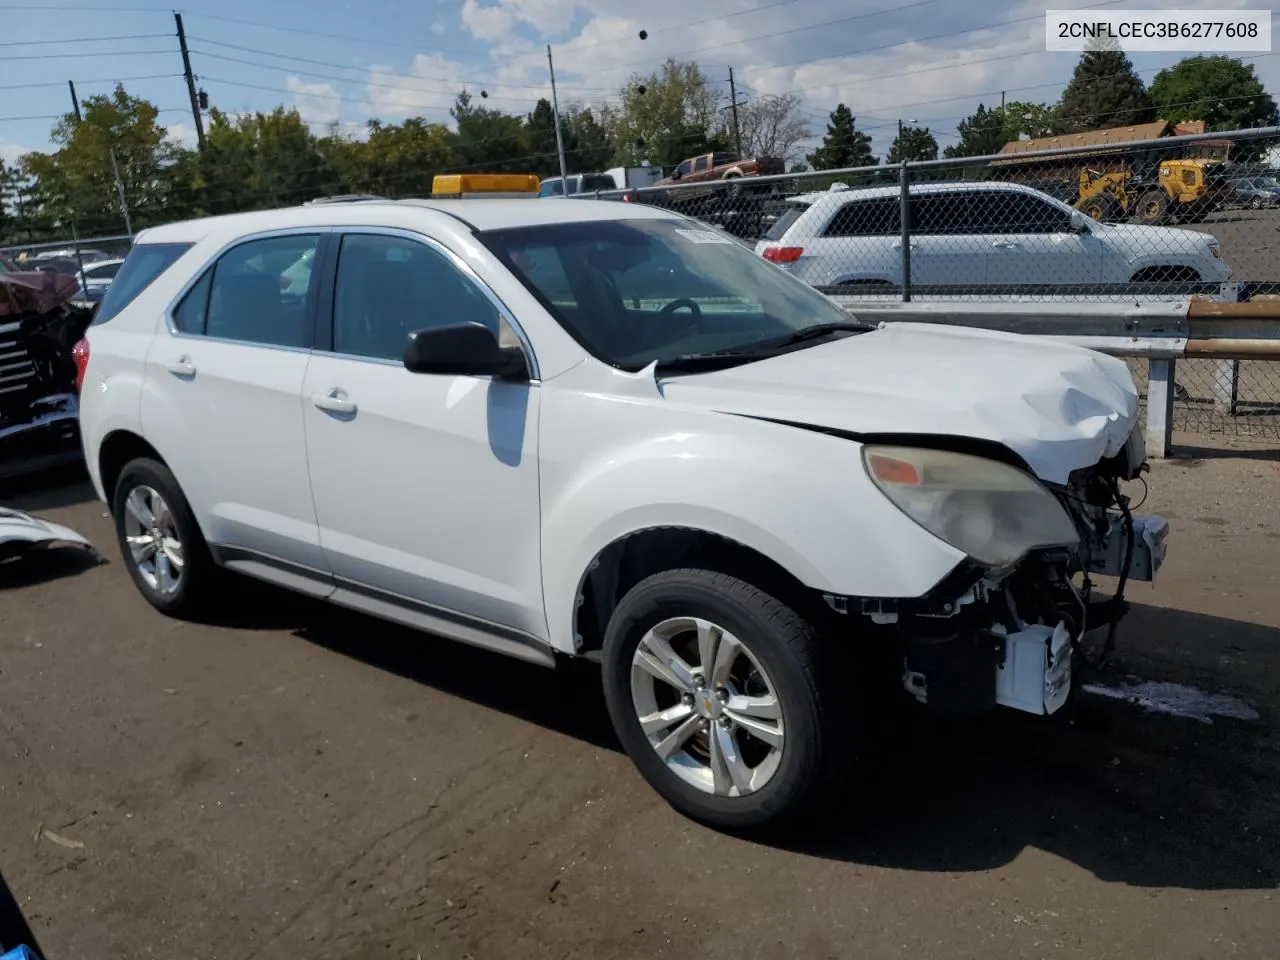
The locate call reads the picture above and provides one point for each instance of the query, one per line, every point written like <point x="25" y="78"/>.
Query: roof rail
<point x="344" y="198"/>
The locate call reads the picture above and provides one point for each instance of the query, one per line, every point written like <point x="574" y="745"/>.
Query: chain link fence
<point x="1120" y="221"/>
<point x="1115" y="220"/>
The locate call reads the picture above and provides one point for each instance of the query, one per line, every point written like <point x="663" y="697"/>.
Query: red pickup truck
<point x="710" y="168"/>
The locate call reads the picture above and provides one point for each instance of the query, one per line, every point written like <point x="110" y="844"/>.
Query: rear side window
<point x="598" y="182"/>
<point x="140" y="269"/>
<point x="876" y="217"/>
<point x="790" y="214"/>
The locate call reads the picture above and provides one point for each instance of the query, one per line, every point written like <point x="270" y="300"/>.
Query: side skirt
<point x="384" y="605"/>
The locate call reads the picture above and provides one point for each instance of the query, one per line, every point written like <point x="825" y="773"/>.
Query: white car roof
<point x="478" y="214"/>
<point x="916" y="189"/>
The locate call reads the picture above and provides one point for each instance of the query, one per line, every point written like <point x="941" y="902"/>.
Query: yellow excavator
<point x="1180" y="190"/>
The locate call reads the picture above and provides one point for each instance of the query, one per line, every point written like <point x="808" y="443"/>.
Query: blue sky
<point x="345" y="61"/>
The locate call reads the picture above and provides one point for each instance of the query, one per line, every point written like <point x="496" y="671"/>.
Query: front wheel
<point x="714" y="688"/>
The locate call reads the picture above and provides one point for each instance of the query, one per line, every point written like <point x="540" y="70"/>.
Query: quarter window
<point x="877" y="217"/>
<point x="388" y="287"/>
<point x="192" y="313"/>
<point x="259" y="291"/>
<point x="141" y="267"/>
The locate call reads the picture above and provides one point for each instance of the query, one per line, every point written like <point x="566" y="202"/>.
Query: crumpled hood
<point x="1057" y="406"/>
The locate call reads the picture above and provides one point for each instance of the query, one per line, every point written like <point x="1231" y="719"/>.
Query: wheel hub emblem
<point x="708" y="705"/>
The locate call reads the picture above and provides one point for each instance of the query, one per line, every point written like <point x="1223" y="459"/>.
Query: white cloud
<point x="486" y="23"/>
<point x="318" y="103"/>
<point x="10" y="151"/>
<point x="183" y="134"/>
<point x="428" y="90"/>
<point x="548" y="18"/>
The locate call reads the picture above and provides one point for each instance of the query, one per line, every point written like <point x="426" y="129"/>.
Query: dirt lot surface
<point x="294" y="781"/>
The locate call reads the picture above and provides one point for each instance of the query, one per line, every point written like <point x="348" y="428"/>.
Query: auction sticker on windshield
<point x="703" y="236"/>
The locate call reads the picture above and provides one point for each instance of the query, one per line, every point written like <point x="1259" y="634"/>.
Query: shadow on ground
<point x="48" y="490"/>
<point x="1135" y="798"/>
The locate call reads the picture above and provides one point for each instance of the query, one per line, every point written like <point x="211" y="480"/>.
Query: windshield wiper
<point x="723" y="359"/>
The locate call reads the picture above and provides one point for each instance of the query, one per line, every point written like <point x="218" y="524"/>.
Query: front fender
<point x="798" y="497"/>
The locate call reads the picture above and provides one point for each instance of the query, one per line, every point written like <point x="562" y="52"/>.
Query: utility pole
<point x="1002" y="101"/>
<point x="115" y="167"/>
<point x="555" y="108"/>
<point x="733" y="98"/>
<point x="191" y="81"/>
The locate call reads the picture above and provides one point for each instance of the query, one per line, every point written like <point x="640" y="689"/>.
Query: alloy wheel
<point x="707" y="707"/>
<point x="151" y="533"/>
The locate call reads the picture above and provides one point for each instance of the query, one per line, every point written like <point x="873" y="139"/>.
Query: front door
<point x="425" y="486"/>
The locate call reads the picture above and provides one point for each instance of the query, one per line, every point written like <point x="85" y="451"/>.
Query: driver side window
<point x="387" y="287"/>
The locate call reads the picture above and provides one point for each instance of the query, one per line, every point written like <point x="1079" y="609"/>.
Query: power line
<point x="102" y="53"/>
<point x="59" y="116"/>
<point x="339" y="66"/>
<point x="134" y="36"/>
<point x="937" y="36"/>
<point x="112" y="80"/>
<point x="683" y="26"/>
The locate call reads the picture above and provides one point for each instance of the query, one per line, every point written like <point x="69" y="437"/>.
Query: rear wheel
<point x="715" y="691"/>
<point x="160" y="540"/>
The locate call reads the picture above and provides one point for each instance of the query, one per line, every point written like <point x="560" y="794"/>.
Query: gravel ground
<point x="294" y="781"/>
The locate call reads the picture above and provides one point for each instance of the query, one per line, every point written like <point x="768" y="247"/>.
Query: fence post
<point x="1160" y="374"/>
<point x="1225" y="381"/>
<point x="1226" y="386"/>
<point x="904" y="215"/>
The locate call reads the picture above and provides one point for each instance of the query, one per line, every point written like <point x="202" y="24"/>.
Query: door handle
<point x="1005" y="244"/>
<point x="183" y="367"/>
<point x="335" y="401"/>
<point x="897" y="245"/>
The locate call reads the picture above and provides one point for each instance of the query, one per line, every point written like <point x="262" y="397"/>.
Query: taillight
<point x="782" y="254"/>
<point x="80" y="354"/>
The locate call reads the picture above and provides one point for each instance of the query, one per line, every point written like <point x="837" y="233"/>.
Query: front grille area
<point x="17" y="367"/>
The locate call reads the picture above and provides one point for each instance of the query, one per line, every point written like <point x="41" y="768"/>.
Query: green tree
<point x="844" y="144"/>
<point x="540" y="133"/>
<point x="667" y="116"/>
<point x="592" y="145"/>
<point x="980" y="134"/>
<point x="1033" y="120"/>
<point x="488" y="140"/>
<point x="913" y="145"/>
<point x="395" y="160"/>
<point x="76" y="181"/>
<point x="1220" y="90"/>
<point x="1105" y="91"/>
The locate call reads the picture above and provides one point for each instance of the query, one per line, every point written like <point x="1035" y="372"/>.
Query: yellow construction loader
<point x="1181" y="190"/>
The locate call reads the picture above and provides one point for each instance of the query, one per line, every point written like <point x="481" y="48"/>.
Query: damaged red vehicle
<point x="39" y="327"/>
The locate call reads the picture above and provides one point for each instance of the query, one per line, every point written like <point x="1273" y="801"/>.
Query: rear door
<point x="949" y="246"/>
<point x="858" y="245"/>
<point x="223" y="397"/>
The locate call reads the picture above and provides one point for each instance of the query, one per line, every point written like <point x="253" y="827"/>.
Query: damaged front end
<point x="39" y="326"/>
<point x="1012" y="634"/>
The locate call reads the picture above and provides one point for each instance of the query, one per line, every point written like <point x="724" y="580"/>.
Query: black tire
<point x="819" y="742"/>
<point x="1152" y="208"/>
<point x="1102" y="208"/>
<point x="196" y="581"/>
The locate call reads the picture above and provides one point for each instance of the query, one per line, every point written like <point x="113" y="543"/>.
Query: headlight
<point x="993" y="512"/>
<point x="1216" y="250"/>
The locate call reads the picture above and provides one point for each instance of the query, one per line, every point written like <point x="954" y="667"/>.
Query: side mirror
<point x="1079" y="222"/>
<point x="676" y="174"/>
<point x="463" y="349"/>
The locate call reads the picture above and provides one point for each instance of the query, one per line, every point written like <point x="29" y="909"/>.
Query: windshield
<point x="637" y="291"/>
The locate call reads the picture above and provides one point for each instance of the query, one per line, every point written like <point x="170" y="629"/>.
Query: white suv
<point x="592" y="429"/>
<point x="984" y="234"/>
